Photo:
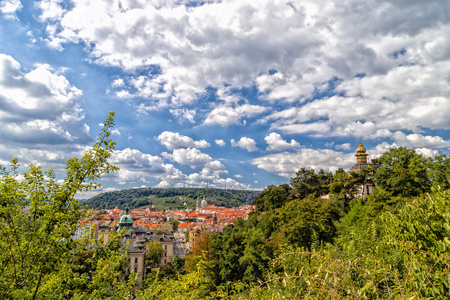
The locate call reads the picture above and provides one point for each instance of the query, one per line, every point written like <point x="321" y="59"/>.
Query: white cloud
<point x="226" y="115"/>
<point x="174" y="140"/>
<point x="184" y="113"/>
<point x="288" y="51"/>
<point x="110" y="189"/>
<point x="39" y="107"/>
<point x="389" y="75"/>
<point x="51" y="10"/>
<point x="427" y="152"/>
<point x="276" y="143"/>
<point x="115" y="132"/>
<point x="419" y="141"/>
<point x="216" y="166"/>
<point x="237" y="43"/>
<point x="163" y="184"/>
<point x="9" y="8"/>
<point x="286" y="164"/>
<point x="208" y="176"/>
<point x="345" y="146"/>
<point x="220" y="143"/>
<point x="190" y="156"/>
<point x="137" y="166"/>
<point x="406" y="98"/>
<point x="118" y="83"/>
<point x="247" y="143"/>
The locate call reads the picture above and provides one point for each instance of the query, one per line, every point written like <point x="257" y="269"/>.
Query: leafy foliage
<point x="273" y="197"/>
<point x="391" y="244"/>
<point x="39" y="217"/>
<point x="154" y="254"/>
<point x="307" y="182"/>
<point x="401" y="171"/>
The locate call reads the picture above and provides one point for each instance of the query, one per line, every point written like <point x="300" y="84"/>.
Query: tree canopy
<point x="39" y="257"/>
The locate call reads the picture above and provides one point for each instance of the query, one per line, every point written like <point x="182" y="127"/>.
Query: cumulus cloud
<point x="174" y="140"/>
<point x="387" y="78"/>
<point x="388" y="74"/>
<point x="247" y="143"/>
<point x="209" y="176"/>
<point x="39" y="106"/>
<point x="137" y="166"/>
<point x="406" y="98"/>
<point x="9" y="8"/>
<point x="184" y="113"/>
<point x="190" y="156"/>
<point x="239" y="43"/>
<point x="226" y="115"/>
<point x="286" y="164"/>
<point x="419" y="141"/>
<point x="216" y="166"/>
<point x="118" y="83"/>
<point x="276" y="143"/>
<point x="220" y="143"/>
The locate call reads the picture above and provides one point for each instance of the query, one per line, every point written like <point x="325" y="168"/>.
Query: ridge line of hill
<point x="170" y="198"/>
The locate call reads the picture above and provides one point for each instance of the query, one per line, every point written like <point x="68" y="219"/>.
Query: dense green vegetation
<point x="170" y="198"/>
<point x="39" y="257"/>
<point x="392" y="244"/>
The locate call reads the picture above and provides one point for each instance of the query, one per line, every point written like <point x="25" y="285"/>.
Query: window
<point x="136" y="260"/>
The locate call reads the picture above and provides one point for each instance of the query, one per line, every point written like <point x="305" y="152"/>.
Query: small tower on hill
<point x="361" y="159"/>
<point x="361" y="163"/>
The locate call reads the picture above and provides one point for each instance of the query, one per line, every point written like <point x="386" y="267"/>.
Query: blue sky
<point x="236" y="94"/>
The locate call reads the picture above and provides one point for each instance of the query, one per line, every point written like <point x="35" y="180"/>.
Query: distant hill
<point x="170" y="198"/>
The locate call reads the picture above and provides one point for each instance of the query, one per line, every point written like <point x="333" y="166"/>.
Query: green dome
<point x="126" y="219"/>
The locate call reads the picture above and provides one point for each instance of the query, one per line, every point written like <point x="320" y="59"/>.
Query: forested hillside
<point x="170" y="198"/>
<point x="392" y="244"/>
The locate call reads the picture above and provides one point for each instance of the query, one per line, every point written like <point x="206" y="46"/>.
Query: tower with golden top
<point x="361" y="159"/>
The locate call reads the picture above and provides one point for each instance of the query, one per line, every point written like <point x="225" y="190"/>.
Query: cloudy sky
<point x="224" y="93"/>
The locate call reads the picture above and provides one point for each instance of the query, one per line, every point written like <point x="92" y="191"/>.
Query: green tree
<point x="154" y="254"/>
<point x="401" y="171"/>
<point x="344" y="185"/>
<point x="174" y="224"/>
<point x="440" y="172"/>
<point x="98" y="273"/>
<point x="307" y="182"/>
<point x="273" y="197"/>
<point x="227" y="248"/>
<point x="201" y="246"/>
<point x="307" y="221"/>
<point x="39" y="216"/>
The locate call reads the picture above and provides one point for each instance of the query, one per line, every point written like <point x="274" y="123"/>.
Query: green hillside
<point x="171" y="198"/>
